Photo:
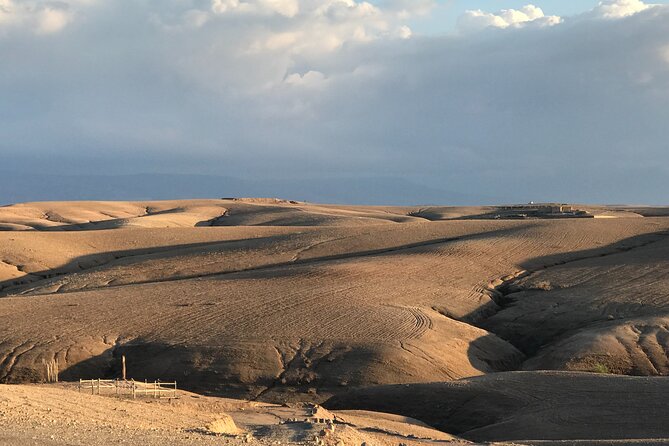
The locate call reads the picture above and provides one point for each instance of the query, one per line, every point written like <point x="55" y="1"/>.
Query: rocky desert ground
<point x="394" y="325"/>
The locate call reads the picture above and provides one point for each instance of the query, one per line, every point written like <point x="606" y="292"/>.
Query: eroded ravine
<point x="506" y="290"/>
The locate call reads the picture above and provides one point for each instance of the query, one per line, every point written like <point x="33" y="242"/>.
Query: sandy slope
<point x="88" y="215"/>
<point x="264" y="310"/>
<point x="602" y="314"/>
<point x="283" y="301"/>
<point x="56" y="415"/>
<point x="522" y="406"/>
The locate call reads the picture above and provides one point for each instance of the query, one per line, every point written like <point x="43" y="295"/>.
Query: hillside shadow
<point x="268" y="271"/>
<point x="131" y="256"/>
<point x="209" y="370"/>
<point x="483" y="353"/>
<point x="622" y="246"/>
<point x="507" y="294"/>
<point x="119" y="222"/>
<point x="418" y="248"/>
<point x="453" y="408"/>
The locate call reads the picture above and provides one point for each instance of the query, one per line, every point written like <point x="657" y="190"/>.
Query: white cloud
<point x="308" y="79"/>
<point x="615" y="9"/>
<point x="404" y="32"/>
<point x="408" y="8"/>
<point x="477" y="19"/>
<point x="288" y="8"/>
<point x="223" y="6"/>
<point x="302" y="26"/>
<point x="6" y="7"/>
<point x="50" y="20"/>
<point x="41" y="17"/>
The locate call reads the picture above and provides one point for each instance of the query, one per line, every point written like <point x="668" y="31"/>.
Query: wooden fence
<point x="129" y="388"/>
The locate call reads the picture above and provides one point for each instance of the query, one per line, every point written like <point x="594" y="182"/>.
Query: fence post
<point x="133" y="389"/>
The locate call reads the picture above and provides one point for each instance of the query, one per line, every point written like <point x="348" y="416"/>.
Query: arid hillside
<point x="59" y="415"/>
<point x="274" y="300"/>
<point x="530" y="406"/>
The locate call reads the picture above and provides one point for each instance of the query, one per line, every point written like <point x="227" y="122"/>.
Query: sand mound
<point x="223" y="425"/>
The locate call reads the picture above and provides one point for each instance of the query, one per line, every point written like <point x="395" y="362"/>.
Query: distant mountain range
<point x="22" y="187"/>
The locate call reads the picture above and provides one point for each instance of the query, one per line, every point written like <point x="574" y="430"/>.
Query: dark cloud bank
<point x="334" y="104"/>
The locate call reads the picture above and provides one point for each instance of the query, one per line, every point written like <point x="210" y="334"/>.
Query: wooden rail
<point x="120" y="387"/>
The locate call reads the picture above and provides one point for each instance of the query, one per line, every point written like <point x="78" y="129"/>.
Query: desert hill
<point x="528" y="406"/>
<point x="276" y="300"/>
<point x="59" y="415"/>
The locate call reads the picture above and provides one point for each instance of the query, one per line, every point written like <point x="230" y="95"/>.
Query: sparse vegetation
<point x="600" y="368"/>
<point x="543" y="285"/>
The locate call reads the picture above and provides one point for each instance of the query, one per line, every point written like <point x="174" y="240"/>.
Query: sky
<point x="497" y="100"/>
<point x="444" y="14"/>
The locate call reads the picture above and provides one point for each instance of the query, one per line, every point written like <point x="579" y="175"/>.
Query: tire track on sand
<point x="309" y="261"/>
